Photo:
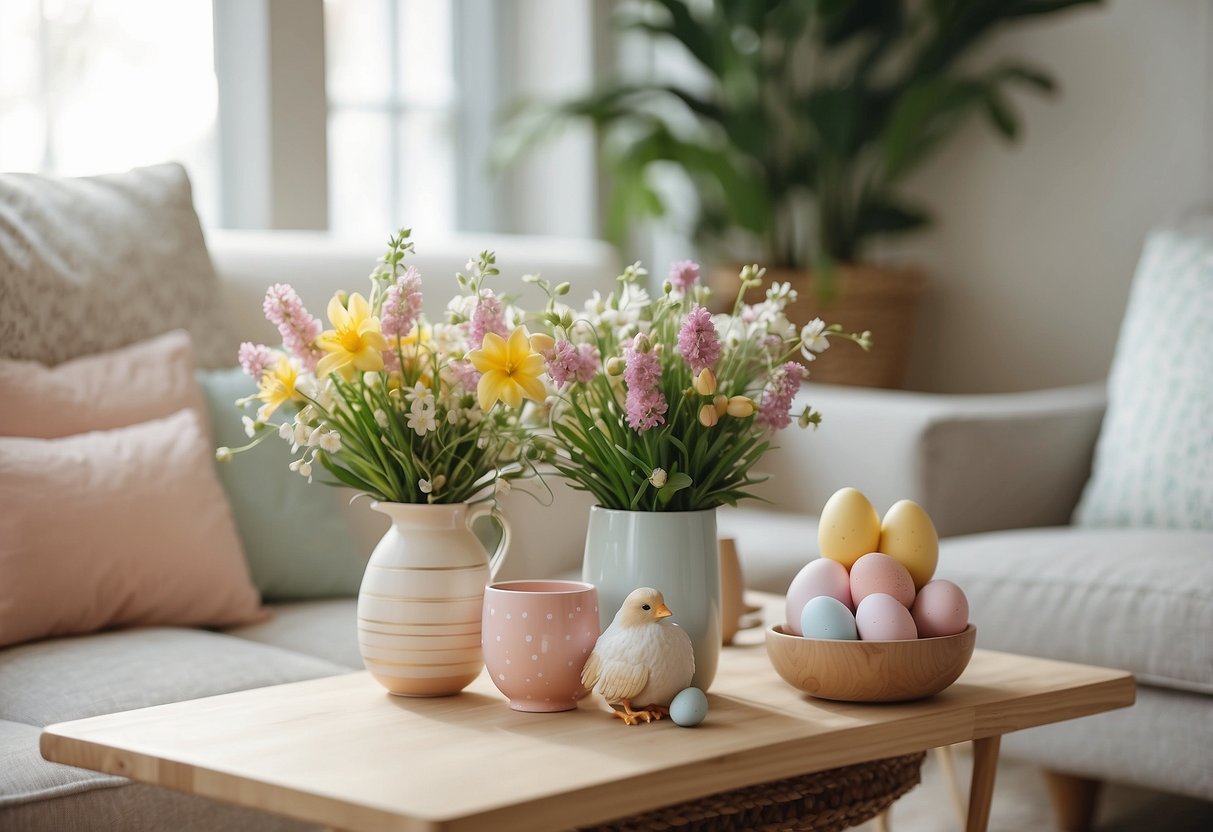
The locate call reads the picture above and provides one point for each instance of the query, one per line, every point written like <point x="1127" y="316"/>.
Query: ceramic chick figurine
<point x="642" y="661"/>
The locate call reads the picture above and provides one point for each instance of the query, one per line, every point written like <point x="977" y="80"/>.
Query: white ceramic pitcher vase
<point x="675" y="552"/>
<point x="420" y="603"/>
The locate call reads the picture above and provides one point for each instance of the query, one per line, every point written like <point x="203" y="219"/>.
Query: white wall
<point x="1036" y="243"/>
<point x="549" y="55"/>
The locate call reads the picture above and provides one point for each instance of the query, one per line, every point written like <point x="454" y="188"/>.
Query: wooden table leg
<point x="1074" y="800"/>
<point x="947" y="762"/>
<point x="981" y="788"/>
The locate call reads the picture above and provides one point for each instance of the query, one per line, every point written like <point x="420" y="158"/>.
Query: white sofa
<point x="978" y="463"/>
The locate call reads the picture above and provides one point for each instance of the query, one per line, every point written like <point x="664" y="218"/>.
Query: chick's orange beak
<point x="661" y="611"/>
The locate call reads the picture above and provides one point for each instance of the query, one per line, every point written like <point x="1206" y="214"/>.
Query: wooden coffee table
<point x="343" y="753"/>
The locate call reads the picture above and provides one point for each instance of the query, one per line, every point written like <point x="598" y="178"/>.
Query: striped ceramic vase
<point x="420" y="604"/>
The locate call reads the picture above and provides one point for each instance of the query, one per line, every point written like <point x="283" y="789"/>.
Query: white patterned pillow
<point x="1154" y="460"/>
<point x="91" y="264"/>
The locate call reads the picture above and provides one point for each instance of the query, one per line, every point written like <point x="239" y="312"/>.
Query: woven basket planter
<point x="882" y="300"/>
<point x="826" y="801"/>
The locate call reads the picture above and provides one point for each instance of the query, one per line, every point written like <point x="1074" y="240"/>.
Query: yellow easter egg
<point x="908" y="536"/>
<point x="849" y="528"/>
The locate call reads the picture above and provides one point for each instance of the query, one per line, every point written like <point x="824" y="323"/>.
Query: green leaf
<point x="644" y="467"/>
<point x="834" y="114"/>
<point x="922" y="118"/>
<point x="346" y="476"/>
<point x="1027" y="76"/>
<point x="682" y="26"/>
<point x="1001" y="115"/>
<point x="636" y="497"/>
<point x="673" y="485"/>
<point x="881" y="214"/>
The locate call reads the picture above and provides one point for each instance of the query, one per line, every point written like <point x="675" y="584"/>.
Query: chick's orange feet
<point x="657" y="711"/>
<point x="649" y="713"/>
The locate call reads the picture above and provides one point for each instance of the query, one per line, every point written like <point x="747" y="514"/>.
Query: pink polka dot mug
<point x="537" y="636"/>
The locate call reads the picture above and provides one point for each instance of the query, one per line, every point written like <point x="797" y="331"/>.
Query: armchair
<point x="1129" y="585"/>
<point x="1001" y="475"/>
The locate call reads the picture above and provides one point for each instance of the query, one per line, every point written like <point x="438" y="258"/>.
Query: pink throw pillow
<point x="118" y="528"/>
<point x="147" y="380"/>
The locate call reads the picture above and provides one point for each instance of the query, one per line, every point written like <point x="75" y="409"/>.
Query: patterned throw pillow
<point x="96" y="263"/>
<point x="1154" y="460"/>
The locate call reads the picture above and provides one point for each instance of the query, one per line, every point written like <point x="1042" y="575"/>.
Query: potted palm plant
<point x="798" y="132"/>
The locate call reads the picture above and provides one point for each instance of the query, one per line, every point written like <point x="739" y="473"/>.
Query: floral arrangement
<point x="387" y="402"/>
<point x="652" y="405"/>
<point x="660" y="405"/>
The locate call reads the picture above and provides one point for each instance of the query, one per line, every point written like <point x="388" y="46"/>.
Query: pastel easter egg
<point x="882" y="617"/>
<point x="875" y="572"/>
<point x="907" y="534"/>
<point x="689" y="708"/>
<point x="818" y="577"/>
<point x="941" y="609"/>
<point x="849" y="527"/>
<point x="826" y="617"/>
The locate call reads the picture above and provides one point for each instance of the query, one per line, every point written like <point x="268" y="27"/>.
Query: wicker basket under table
<point x="825" y="801"/>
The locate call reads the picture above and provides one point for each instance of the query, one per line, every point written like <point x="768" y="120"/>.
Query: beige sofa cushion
<point x="71" y="678"/>
<point x="25" y="776"/>
<point x="326" y="629"/>
<point x="1137" y="599"/>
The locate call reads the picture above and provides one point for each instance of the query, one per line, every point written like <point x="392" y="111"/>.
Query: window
<point x="91" y="86"/>
<point x="391" y="124"/>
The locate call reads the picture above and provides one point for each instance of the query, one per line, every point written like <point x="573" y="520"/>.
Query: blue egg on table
<point x="827" y="617"/>
<point x="689" y="708"/>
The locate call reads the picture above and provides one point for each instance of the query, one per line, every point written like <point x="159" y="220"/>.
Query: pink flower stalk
<point x="567" y="361"/>
<point x="464" y="375"/>
<point x="645" y="405"/>
<point x="402" y="306"/>
<point x="684" y="275"/>
<point x="391" y="359"/>
<point x="299" y="330"/>
<point x="488" y="316"/>
<point x="774" y="411"/>
<point x="255" y="359"/>
<point x="698" y="343"/>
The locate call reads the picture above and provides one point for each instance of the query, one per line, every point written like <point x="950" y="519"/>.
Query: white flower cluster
<point x="619" y="312"/>
<point x="422" y="410"/>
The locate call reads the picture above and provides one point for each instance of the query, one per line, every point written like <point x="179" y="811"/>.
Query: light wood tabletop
<point x="343" y="753"/>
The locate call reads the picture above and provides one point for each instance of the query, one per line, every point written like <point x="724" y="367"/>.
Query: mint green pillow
<point x="296" y="543"/>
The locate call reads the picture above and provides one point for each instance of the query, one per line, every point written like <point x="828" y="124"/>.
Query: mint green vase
<point x="675" y="552"/>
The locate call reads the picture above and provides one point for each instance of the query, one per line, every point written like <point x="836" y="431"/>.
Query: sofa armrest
<point x="975" y="462"/>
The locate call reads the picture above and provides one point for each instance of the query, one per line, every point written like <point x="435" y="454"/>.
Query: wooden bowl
<point x="870" y="671"/>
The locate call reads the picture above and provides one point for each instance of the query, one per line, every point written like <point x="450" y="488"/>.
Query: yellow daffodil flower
<point x="354" y="343"/>
<point x="277" y="388"/>
<point x="511" y="370"/>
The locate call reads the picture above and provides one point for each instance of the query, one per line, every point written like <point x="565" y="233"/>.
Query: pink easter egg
<point x="819" y="577"/>
<point x="875" y="573"/>
<point x="882" y="617"/>
<point x="941" y="609"/>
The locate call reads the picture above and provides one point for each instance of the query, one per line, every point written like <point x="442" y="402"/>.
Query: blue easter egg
<point x="689" y="708"/>
<point x="827" y="617"/>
